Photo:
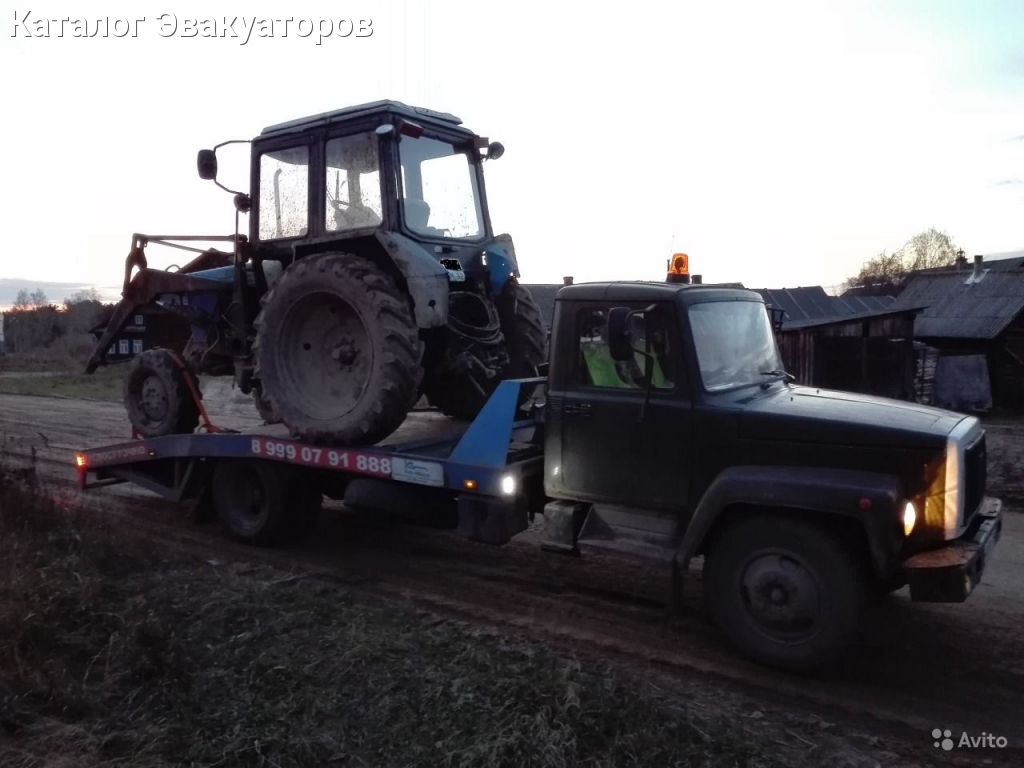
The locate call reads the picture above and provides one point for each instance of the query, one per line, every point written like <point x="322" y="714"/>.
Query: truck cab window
<point x="284" y="193"/>
<point x="735" y="343"/>
<point x="651" y="336"/>
<point x="353" y="183"/>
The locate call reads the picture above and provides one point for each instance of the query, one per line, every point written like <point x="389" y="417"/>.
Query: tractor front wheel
<point x="522" y="326"/>
<point x="157" y="395"/>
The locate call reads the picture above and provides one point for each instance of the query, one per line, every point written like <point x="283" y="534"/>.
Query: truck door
<point x="618" y="443"/>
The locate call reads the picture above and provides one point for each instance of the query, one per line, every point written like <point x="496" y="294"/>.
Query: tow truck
<point x="667" y="430"/>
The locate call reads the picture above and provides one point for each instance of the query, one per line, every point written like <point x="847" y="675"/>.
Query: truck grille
<point x="975" y="471"/>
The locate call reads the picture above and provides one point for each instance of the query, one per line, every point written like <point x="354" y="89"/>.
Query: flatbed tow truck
<point x="667" y="430"/>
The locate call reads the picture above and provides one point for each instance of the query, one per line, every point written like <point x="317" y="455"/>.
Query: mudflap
<point x="492" y="520"/>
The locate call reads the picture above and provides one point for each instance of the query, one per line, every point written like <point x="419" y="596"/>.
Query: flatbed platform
<point x="494" y="461"/>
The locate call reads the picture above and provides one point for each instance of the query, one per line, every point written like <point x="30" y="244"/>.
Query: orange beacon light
<point x="678" y="269"/>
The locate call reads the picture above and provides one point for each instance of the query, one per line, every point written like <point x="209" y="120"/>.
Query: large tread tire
<point x="157" y="396"/>
<point x="263" y="408"/>
<point x="264" y="503"/>
<point x="337" y="350"/>
<point x="526" y="342"/>
<point x="786" y="593"/>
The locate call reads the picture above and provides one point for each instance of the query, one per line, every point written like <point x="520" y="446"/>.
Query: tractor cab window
<point x="440" y="194"/>
<point x="353" y="183"/>
<point x="652" y="340"/>
<point x="284" y="193"/>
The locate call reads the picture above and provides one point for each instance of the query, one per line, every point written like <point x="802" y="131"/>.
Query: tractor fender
<point x="426" y="278"/>
<point x="871" y="498"/>
<point x="502" y="265"/>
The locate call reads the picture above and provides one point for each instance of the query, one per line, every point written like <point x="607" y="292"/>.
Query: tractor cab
<point x="381" y="166"/>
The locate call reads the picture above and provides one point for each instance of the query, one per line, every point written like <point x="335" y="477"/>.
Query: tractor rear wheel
<point x="157" y="396"/>
<point x="337" y="350"/>
<point x="522" y="325"/>
<point x="263" y="407"/>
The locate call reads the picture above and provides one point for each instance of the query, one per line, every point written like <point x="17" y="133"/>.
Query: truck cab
<point x="672" y="431"/>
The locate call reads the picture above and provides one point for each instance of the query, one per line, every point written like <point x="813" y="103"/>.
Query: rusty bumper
<point x="950" y="574"/>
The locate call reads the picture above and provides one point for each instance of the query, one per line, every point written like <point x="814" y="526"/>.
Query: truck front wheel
<point x="786" y="593"/>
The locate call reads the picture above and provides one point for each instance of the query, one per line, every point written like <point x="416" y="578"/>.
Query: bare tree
<point x="84" y="295"/>
<point x="888" y="271"/>
<point x="929" y="249"/>
<point x="38" y="298"/>
<point x="23" y="301"/>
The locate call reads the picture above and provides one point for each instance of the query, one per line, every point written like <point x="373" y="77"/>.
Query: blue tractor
<point x="369" y="277"/>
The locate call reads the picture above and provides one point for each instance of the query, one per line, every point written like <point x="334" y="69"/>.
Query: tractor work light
<point x="678" y="269"/>
<point x="909" y="518"/>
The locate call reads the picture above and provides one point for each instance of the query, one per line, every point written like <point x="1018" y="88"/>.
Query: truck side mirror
<point x="620" y="339"/>
<point x="206" y="162"/>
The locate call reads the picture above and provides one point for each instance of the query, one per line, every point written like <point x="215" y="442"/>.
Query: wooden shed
<point x="870" y="352"/>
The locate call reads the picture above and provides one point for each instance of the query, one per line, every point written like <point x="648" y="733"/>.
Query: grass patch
<point x="104" y="384"/>
<point x="113" y="653"/>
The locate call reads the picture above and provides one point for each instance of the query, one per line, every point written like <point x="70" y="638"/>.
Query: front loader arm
<point x="143" y="290"/>
<point x="150" y="283"/>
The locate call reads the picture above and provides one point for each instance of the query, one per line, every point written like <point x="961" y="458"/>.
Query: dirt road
<point x="955" y="667"/>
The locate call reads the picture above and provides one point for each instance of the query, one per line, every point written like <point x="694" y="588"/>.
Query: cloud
<point x="1007" y="183"/>
<point x="55" y="292"/>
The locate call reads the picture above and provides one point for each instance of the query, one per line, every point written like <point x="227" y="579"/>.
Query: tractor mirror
<point x="620" y="339"/>
<point x="206" y="162"/>
<point x="495" y="150"/>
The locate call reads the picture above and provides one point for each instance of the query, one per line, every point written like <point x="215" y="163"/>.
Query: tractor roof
<point x="382" y="108"/>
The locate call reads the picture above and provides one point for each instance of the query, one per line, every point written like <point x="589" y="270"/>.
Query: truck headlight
<point x="909" y="518"/>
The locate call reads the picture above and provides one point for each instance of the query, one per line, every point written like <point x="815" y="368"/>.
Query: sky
<point x="778" y="144"/>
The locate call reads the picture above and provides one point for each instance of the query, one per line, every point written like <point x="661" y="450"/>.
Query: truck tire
<point x="157" y="396"/>
<point x="263" y="503"/>
<point x="337" y="350"/>
<point x="785" y="593"/>
<point x="525" y="341"/>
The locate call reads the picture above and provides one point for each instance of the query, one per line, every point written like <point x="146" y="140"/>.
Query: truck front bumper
<point x="949" y="574"/>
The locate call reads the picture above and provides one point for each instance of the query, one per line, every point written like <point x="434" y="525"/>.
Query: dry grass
<point x="55" y="381"/>
<point x="114" y="653"/>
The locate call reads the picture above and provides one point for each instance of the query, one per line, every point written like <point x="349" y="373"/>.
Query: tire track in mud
<point x="927" y="666"/>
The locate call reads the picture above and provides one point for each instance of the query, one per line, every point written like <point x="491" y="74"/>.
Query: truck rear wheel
<point x="525" y="340"/>
<point x="786" y="593"/>
<point x="263" y="503"/>
<point x="157" y="396"/>
<point x="337" y="350"/>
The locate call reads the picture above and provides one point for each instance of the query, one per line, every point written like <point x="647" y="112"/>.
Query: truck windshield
<point x="735" y="344"/>
<point x="440" y="194"/>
